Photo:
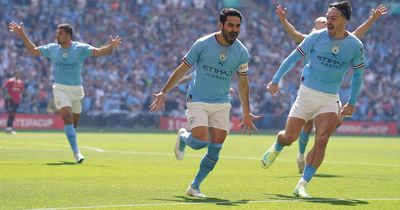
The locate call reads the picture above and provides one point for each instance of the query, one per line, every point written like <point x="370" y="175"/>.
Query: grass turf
<point x="139" y="171"/>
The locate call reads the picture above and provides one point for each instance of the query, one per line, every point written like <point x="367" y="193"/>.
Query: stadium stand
<point x="156" y="35"/>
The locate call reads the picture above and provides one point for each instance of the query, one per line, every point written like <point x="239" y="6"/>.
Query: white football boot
<point x="79" y="157"/>
<point x="179" y="154"/>
<point x="194" y="193"/>
<point x="269" y="157"/>
<point x="300" y="190"/>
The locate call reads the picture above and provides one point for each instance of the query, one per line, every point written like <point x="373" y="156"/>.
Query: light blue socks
<point x="192" y="142"/>
<point x="278" y="146"/>
<point x="207" y="164"/>
<point x="309" y="172"/>
<point x="303" y="140"/>
<point x="71" y="135"/>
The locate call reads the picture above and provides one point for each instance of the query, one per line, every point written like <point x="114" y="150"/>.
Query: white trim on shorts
<point x="310" y="103"/>
<point x="214" y="115"/>
<point x="68" y="96"/>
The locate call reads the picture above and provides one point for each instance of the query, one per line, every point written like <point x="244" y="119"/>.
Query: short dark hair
<point x="344" y="7"/>
<point x="67" y="28"/>
<point x="225" y="12"/>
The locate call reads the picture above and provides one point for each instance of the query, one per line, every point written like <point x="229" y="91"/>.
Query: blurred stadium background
<point x="156" y="35"/>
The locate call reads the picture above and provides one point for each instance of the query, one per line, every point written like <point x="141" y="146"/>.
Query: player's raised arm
<point x="289" y="28"/>
<point x="376" y="14"/>
<point x="159" y="98"/>
<point x="113" y="43"/>
<point x="17" y="29"/>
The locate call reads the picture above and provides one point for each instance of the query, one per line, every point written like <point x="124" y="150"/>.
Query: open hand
<point x="15" y="28"/>
<point x="379" y="11"/>
<point x="280" y="12"/>
<point x="247" y="123"/>
<point x="115" y="42"/>
<point x="158" y="103"/>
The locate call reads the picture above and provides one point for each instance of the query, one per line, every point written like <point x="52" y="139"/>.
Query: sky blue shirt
<point x="329" y="60"/>
<point x="67" y="62"/>
<point x="215" y="64"/>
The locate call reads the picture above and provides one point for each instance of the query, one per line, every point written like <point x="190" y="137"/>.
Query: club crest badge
<point x="222" y="57"/>
<point x="65" y="55"/>
<point x="335" y="49"/>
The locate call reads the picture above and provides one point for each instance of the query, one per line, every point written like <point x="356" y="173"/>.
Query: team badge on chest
<point x="222" y="56"/>
<point x="335" y="49"/>
<point x="65" y="55"/>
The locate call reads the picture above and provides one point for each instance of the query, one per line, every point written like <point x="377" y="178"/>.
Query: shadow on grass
<point x="316" y="175"/>
<point x="208" y="200"/>
<point x="332" y="201"/>
<point x="327" y="175"/>
<point x="69" y="163"/>
<point x="61" y="163"/>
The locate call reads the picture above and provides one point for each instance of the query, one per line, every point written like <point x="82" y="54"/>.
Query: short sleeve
<point x="243" y="68"/>
<point x="45" y="50"/>
<point x="86" y="50"/>
<point x="193" y="54"/>
<point x="359" y="58"/>
<point x="307" y="44"/>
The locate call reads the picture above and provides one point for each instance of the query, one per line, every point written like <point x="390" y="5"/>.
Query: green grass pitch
<point x="139" y="171"/>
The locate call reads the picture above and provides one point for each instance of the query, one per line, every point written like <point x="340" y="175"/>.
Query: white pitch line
<point x="223" y="202"/>
<point x="67" y="146"/>
<point x="199" y="156"/>
<point x="250" y="158"/>
<point x="86" y="147"/>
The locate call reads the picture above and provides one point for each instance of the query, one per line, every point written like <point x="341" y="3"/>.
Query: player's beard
<point x="230" y="37"/>
<point x="60" y="42"/>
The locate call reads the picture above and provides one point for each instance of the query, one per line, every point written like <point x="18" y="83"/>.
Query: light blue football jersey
<point x="328" y="61"/>
<point x="67" y="62"/>
<point x="215" y="64"/>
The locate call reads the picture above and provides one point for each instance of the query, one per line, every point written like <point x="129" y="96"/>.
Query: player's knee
<point x="67" y="117"/>
<point x="285" y="138"/>
<point x="201" y="136"/>
<point x="289" y="139"/>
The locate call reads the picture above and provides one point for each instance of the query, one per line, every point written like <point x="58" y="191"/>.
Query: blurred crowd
<point x="157" y="34"/>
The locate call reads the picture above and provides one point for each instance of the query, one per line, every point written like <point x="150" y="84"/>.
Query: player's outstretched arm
<point x="285" y="67"/>
<point x="17" y="29"/>
<point x="113" y="43"/>
<point x="159" y="98"/>
<point x="248" y="118"/>
<point x="289" y="28"/>
<point x="376" y="14"/>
